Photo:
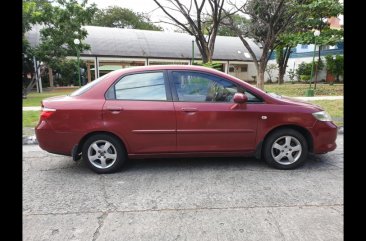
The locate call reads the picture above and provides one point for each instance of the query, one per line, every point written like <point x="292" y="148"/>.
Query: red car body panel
<point x="152" y="130"/>
<point x="208" y="127"/>
<point x="172" y="128"/>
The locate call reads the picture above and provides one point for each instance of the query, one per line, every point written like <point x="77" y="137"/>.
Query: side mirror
<point x="240" y="98"/>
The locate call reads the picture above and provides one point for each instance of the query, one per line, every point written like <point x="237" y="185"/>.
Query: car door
<point x="207" y="118"/>
<point x="139" y="108"/>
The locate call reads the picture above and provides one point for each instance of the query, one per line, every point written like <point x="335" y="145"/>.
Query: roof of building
<point x="117" y="42"/>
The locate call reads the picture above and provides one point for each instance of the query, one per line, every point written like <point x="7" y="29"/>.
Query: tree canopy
<point x="200" y="19"/>
<point x="117" y="17"/>
<point x="61" y="22"/>
<point x="310" y="15"/>
<point x="267" y="20"/>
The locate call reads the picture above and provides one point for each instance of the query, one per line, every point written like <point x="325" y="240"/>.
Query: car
<point x="180" y="111"/>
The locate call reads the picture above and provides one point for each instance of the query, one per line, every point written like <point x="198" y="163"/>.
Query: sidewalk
<point x="319" y="98"/>
<point x="31" y="108"/>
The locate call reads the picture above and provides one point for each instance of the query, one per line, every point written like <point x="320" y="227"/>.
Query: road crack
<point x="101" y="220"/>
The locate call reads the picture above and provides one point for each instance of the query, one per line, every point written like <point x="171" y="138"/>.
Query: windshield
<point x="88" y="86"/>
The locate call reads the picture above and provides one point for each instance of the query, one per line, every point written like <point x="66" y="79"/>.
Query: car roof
<point x="166" y="67"/>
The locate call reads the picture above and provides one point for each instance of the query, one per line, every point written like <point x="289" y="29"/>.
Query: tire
<point x="102" y="160"/>
<point x="285" y="149"/>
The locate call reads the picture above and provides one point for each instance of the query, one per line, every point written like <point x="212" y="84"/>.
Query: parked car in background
<point x="180" y="111"/>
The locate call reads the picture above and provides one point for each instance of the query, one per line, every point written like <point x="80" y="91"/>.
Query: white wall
<point x="296" y="62"/>
<point x="246" y="76"/>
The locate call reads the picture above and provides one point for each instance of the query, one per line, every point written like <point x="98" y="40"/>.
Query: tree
<point x="117" y="17"/>
<point x="268" y="19"/>
<point x="315" y="14"/>
<point x="61" y="22"/>
<point x="269" y="70"/>
<point x="282" y="56"/>
<point x="225" y="29"/>
<point x="335" y="65"/>
<point x="304" y="69"/>
<point x="310" y="15"/>
<point x="202" y="24"/>
<point x="291" y="74"/>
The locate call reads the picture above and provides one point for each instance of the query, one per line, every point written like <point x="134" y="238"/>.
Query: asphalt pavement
<point x="182" y="199"/>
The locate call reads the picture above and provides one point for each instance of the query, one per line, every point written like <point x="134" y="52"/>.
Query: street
<point x="182" y="199"/>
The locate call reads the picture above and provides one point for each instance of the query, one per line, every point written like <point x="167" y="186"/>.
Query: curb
<point x="340" y="130"/>
<point x="30" y="140"/>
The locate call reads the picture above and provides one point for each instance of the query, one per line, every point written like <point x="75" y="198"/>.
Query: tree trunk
<point x="260" y="76"/>
<point x="281" y="74"/>
<point x="50" y="76"/>
<point x="89" y="74"/>
<point x="282" y="64"/>
<point x="316" y="68"/>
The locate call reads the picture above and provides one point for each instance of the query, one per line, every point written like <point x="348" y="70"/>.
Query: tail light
<point x="46" y="113"/>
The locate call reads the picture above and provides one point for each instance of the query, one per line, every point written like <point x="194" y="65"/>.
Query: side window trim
<point x="175" y="94"/>
<point x="110" y="93"/>
<point x="174" y="89"/>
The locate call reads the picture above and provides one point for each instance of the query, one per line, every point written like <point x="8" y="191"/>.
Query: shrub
<point x="335" y="65"/>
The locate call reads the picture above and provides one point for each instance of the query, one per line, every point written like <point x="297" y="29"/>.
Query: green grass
<point x="333" y="107"/>
<point x="34" y="98"/>
<point x="299" y="89"/>
<point x="30" y="118"/>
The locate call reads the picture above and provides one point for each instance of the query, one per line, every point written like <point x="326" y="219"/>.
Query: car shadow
<point x="314" y="162"/>
<point x="223" y="163"/>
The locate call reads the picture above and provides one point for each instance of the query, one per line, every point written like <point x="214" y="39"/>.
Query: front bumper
<point x="324" y="137"/>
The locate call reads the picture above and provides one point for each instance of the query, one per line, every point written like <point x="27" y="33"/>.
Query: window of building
<point x="238" y="67"/>
<point x="326" y="47"/>
<point x="304" y="46"/>
<point x="144" y="86"/>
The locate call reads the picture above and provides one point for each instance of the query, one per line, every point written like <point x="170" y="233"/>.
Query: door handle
<point x="114" y="109"/>
<point x="187" y="109"/>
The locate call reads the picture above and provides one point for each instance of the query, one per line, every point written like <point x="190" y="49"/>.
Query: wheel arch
<point x="84" y="138"/>
<point x="300" y="129"/>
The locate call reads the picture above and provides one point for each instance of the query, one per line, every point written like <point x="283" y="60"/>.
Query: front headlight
<point x="322" y="116"/>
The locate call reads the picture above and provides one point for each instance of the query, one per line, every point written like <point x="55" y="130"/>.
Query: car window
<point x="251" y="97"/>
<point x="142" y="86"/>
<point x="195" y="86"/>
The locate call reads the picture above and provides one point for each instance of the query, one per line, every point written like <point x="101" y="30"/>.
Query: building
<point x="114" y="48"/>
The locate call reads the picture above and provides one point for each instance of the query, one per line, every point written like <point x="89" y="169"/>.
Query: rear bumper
<point x="54" y="141"/>
<point x="324" y="137"/>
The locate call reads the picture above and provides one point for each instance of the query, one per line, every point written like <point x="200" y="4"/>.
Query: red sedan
<point x="180" y="111"/>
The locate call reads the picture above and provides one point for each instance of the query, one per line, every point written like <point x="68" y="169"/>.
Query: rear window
<point x="88" y="86"/>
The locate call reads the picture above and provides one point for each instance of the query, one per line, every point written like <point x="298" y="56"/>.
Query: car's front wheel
<point x="104" y="153"/>
<point x="285" y="149"/>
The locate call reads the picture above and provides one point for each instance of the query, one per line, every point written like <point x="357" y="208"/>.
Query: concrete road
<point x="182" y="199"/>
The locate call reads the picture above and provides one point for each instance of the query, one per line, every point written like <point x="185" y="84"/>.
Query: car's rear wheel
<point x="285" y="149"/>
<point x="104" y="153"/>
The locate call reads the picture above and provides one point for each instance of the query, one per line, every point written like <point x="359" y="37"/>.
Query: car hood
<point x="293" y="101"/>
